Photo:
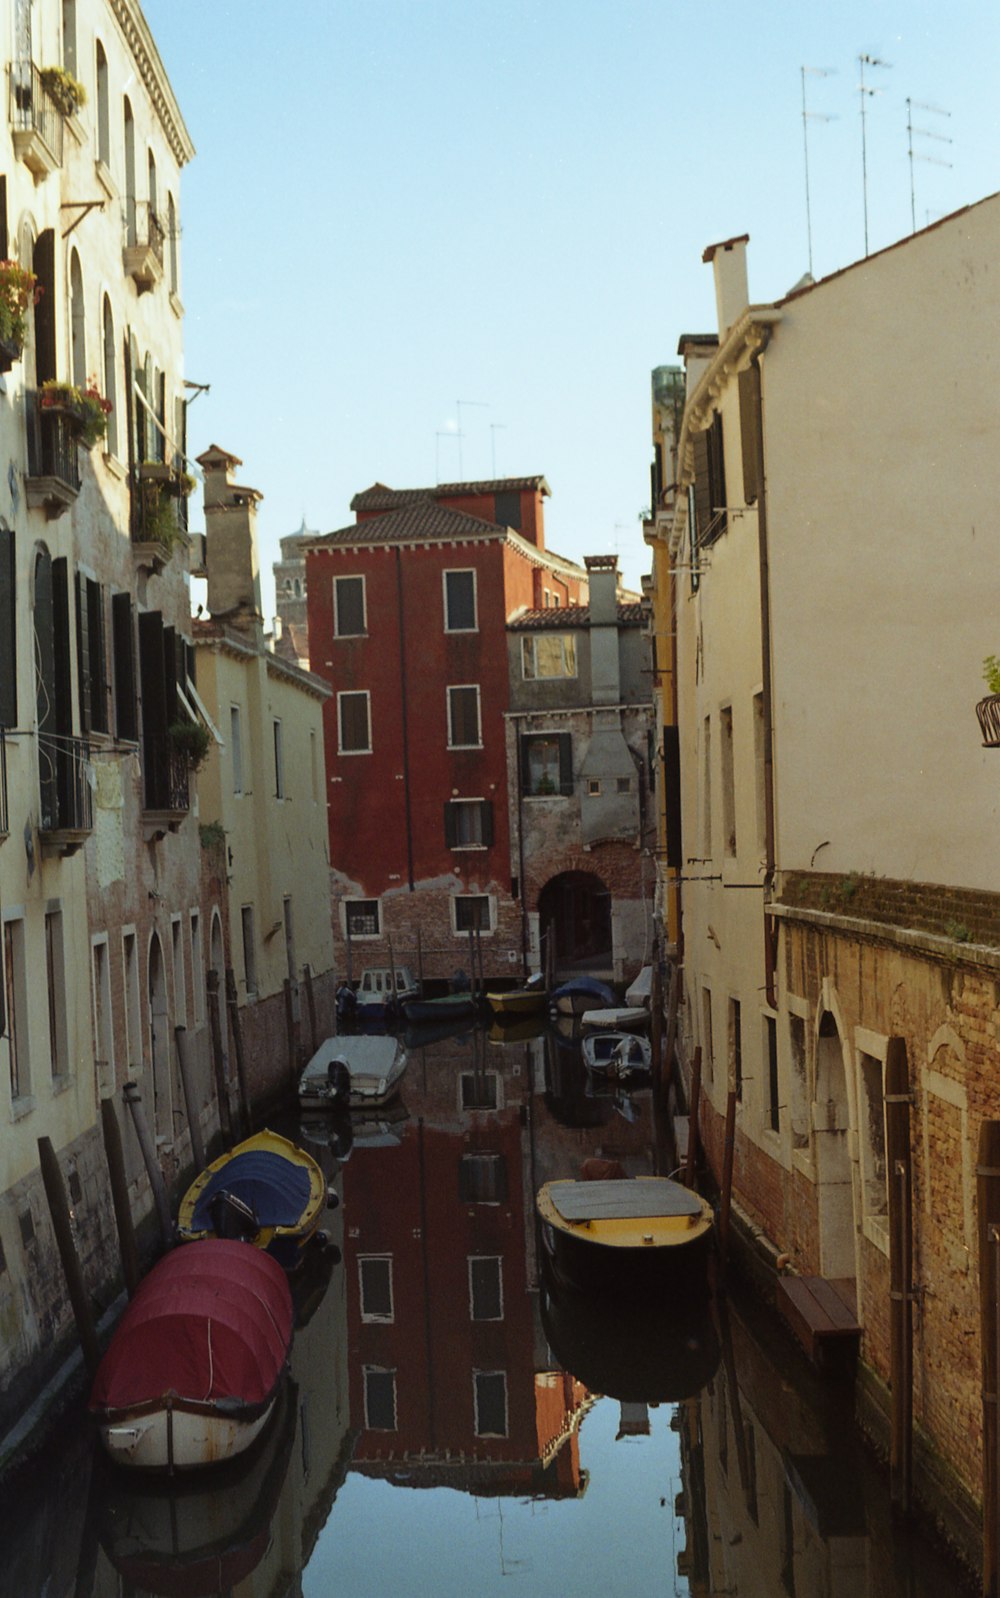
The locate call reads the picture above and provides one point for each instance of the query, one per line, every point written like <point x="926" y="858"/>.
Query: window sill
<point x="60" y="1083"/>
<point x="21" y="1107"/>
<point x="349" y="753"/>
<point x="341" y="637"/>
<point x="469" y="848"/>
<point x="460" y="747"/>
<point x="176" y="306"/>
<point x="105" y="179"/>
<point x="115" y="467"/>
<point x="876" y="1230"/>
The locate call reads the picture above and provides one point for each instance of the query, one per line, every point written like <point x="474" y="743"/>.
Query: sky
<point x="430" y="240"/>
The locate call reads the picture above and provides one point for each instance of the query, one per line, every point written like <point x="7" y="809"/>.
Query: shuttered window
<point x="464" y="731"/>
<point x="8" y="634"/>
<point x="353" y="711"/>
<point x="468" y="823"/>
<point x="91" y="655"/>
<point x="709" y="483"/>
<point x="547" y="764"/>
<point x="749" y="382"/>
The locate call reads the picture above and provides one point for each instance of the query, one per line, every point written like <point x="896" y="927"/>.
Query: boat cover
<point x="631" y="1200"/>
<point x="276" y="1189"/>
<point x="584" y="986"/>
<point x="212" y="1320"/>
<point x="366" y="1053"/>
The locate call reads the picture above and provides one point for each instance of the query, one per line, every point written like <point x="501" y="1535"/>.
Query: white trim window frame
<point x="354" y="693"/>
<point x="464" y="688"/>
<point x="349" y="631"/>
<point x="548" y="656"/>
<point x="485" y="931"/>
<point x="481" y="1260"/>
<point x="457" y="601"/>
<point x="356" y="937"/>
<point x="368" y="1315"/>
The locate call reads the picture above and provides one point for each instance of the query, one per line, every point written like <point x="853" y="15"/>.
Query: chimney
<point x="729" y="265"/>
<point x="230" y="542"/>
<point x="605" y="674"/>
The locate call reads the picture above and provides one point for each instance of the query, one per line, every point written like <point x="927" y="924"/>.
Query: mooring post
<point x="119" y="1195"/>
<point x="307" y="978"/>
<point x="185" y="1066"/>
<point x="236" y="1033"/>
<point x="691" y="1163"/>
<point x="728" y="1159"/>
<point x="133" y="1098"/>
<point x="293" y="1063"/>
<point x="988" y="1195"/>
<point x="62" y="1225"/>
<point x="218" y="1056"/>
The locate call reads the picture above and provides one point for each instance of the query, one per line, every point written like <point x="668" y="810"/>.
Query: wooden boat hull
<point x="580" y="994"/>
<point x="638" y="1234"/>
<point x="376" y="1063"/>
<point x="518" y="1003"/>
<point x="174" y="1438"/>
<point x="448" y="1008"/>
<point x="285" y="1228"/>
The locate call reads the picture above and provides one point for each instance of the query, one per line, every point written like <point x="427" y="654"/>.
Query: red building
<point x="408" y="609"/>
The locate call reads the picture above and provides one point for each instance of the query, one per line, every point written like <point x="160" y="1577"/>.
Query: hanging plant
<point x="192" y="740"/>
<point x="86" y="405"/>
<point x="66" y="92"/>
<point x="19" y="291"/>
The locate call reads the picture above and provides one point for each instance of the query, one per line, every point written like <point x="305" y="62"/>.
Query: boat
<point x="356" y="1072"/>
<point x="579" y="994"/>
<point x="616" y="1018"/>
<point x="616" y="1054"/>
<point x="449" y="1007"/>
<point x="519" y="1002"/>
<point x="384" y="987"/>
<point x="641" y="1233"/>
<point x="640" y="990"/>
<point x="193" y="1371"/>
<point x="265" y="1191"/>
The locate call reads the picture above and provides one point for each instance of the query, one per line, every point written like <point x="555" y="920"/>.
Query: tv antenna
<point x="918" y="155"/>
<point x="866" y="91"/>
<point x="481" y="405"/>
<point x="807" y="117"/>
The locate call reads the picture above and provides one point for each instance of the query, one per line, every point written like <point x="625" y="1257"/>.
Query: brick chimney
<point x="605" y="674"/>
<point x="231" y="561"/>
<point x="729" y="266"/>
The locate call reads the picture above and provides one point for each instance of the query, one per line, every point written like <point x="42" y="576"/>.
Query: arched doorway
<point x="159" y="1035"/>
<point x="574" y="911"/>
<point x="834" y="1167"/>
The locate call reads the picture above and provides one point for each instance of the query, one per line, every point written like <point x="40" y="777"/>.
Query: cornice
<point x="135" y="28"/>
<point x="749" y="334"/>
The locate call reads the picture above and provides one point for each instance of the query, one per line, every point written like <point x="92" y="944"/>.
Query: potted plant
<point x="19" y="291"/>
<point x="66" y="92"/>
<point x="988" y="709"/>
<point x="85" y="406"/>
<point x="192" y="741"/>
<point x="157" y="517"/>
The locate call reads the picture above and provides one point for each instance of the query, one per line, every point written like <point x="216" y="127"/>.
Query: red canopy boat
<point x="192" y="1372"/>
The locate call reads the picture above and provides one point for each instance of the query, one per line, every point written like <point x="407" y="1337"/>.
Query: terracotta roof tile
<point x="422" y="520"/>
<point x="560" y="617"/>
<point x="380" y="497"/>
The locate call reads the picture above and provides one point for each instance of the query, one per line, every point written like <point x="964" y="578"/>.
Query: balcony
<point x="143" y="253"/>
<point x="157" y="500"/>
<point x="35" y="119"/>
<point x="53" y="480"/>
<point x="4" y="814"/>
<point x="166" y="786"/>
<point x="66" y="809"/>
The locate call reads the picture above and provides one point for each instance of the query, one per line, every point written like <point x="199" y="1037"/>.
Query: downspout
<point x="520" y="848"/>
<point x="403" y="708"/>
<point x="770" y="926"/>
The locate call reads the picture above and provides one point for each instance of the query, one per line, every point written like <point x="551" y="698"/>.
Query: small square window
<point x="594" y="787"/>
<point x="480" y="1090"/>
<point x="460" y="602"/>
<point x="349" y="607"/>
<point x="482" y="1179"/>
<point x="468" y="823"/>
<point x="548" y="655"/>
<point x="472" y="912"/>
<point x="362" y="918"/>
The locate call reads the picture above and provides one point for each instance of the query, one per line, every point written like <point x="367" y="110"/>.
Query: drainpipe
<point x="402" y="701"/>
<point x="520" y="847"/>
<point x="765" y="643"/>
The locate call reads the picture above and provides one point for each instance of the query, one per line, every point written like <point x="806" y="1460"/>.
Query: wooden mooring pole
<point x="62" y="1225"/>
<point x="119" y="1195"/>
<point x="728" y="1160"/>
<point x="665" y="1067"/>
<point x="691" y="1163"/>
<point x="133" y="1098"/>
<point x="898" y="1162"/>
<point x="185" y="1066"/>
<point x="307" y="979"/>
<point x="988" y="1194"/>
<point x="236" y="1033"/>
<point x="218" y="1056"/>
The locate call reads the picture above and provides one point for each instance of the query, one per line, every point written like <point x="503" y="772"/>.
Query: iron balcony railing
<point x="52" y="442"/>
<point x="166" y="775"/>
<point x="4" y="825"/>
<point x="32" y="109"/>
<point x="143" y="228"/>
<point x="64" y="785"/>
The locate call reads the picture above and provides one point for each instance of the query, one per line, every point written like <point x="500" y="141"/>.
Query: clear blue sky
<point x="398" y="205"/>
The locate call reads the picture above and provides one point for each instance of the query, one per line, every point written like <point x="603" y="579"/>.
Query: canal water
<point x="456" y="1424"/>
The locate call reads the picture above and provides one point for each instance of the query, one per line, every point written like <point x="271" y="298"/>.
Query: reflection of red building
<point x="408" y="610"/>
<point x="443" y="1348"/>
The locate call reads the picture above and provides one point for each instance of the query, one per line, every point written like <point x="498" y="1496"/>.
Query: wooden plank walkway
<point x="825" y="1325"/>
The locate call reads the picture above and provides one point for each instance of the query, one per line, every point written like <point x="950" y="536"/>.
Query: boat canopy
<point x="634" y="1199"/>
<point x="276" y="1189"/>
<point x="212" y="1320"/>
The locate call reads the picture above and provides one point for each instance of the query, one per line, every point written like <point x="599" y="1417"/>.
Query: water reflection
<point x="454" y="1420"/>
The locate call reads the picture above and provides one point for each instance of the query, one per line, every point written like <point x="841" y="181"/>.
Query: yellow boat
<point x="265" y="1191"/>
<point x="641" y="1232"/>
<point x="517" y="1002"/>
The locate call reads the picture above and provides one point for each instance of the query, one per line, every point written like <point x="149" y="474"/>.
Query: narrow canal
<point x="455" y="1424"/>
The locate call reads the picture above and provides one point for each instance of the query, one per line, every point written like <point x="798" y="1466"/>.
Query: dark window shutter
<point x="154" y="701"/>
<point x="8" y="635"/>
<point x="171" y="711"/>
<point x="61" y="635"/>
<point x="750" y="431"/>
<point x="44" y="267"/>
<point x="45" y="670"/>
<point x="98" y="658"/>
<point x="126" y="721"/>
<point x="672" y="794"/>
<point x="82" y="650"/>
<point x="4" y="250"/>
<point x="450" y="830"/>
<point x="702" y="486"/>
<point x="486" y="822"/>
<point x="565" y="763"/>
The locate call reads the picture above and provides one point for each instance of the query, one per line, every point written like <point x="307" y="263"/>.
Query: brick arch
<point x="574" y="911"/>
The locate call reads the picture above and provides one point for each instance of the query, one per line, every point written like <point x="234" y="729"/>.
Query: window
<point x="706" y="789"/>
<point x="482" y="1179"/>
<point x="349" y="619"/>
<point x="771" y="1038"/>
<point x="490" y="1390"/>
<point x="103" y="109"/>
<point x="55" y="979"/>
<point x="8" y="635"/>
<point x="507" y="508"/>
<point x="131" y="236"/>
<point x="709" y="483"/>
<point x="623" y="784"/>
<point x="375" y="1275"/>
<point x="486" y="1287"/>
<point x="16" y="1006"/>
<point x="594" y="787"/>
<point x="249" y="950"/>
<point x="104" y="1036"/>
<point x="736" y="1048"/>
<point x="380" y="1399"/>
<point x="354" y="722"/>
<point x="314" y="767"/>
<point x="800" y="1094"/>
<point x="133" y="1016"/>
<point x="873" y="1160"/>
<point x="468" y="823"/>
<point x="69" y="36"/>
<point x="479" y="1090"/>
<point x="547" y="764"/>
<point x="472" y="912"/>
<point x="362" y="918"/>
<point x="77" y="323"/>
<point x="460" y="602"/>
<point x="172" y="244"/>
<point x="236" y="746"/>
<point x="728" y="780"/>
<point x="110" y="376"/>
<point x="548" y="655"/>
<point x="707" y="1044"/>
<point x="197" y="968"/>
<point x="123" y="647"/>
<point x="759" y="772"/>
<point x="279" y="761"/>
<point x="464" y="731"/>
<point x="91" y="656"/>
<point x="180" y="981"/>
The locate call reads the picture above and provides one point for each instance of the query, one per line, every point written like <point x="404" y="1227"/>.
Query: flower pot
<point x="988" y="711"/>
<point x="11" y="350"/>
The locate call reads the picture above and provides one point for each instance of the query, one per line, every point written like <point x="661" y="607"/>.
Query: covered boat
<point x="579" y="994"/>
<point x="356" y="1072"/>
<point x="638" y="1232"/>
<point x="616" y="1054"/>
<point x="266" y="1191"/>
<point x="192" y="1373"/>
<point x="616" y="1018"/>
<point x="384" y="988"/>
<point x="640" y="990"/>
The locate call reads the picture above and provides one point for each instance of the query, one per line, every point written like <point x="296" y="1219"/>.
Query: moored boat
<point x="579" y="994"/>
<point x="616" y="1054"/>
<point x="384" y="988"/>
<point x="638" y="1232"/>
<point x="616" y="1018"/>
<point x="265" y="1191"/>
<point x="192" y="1373"/>
<point x="640" y="989"/>
<point x="449" y="1007"/>
<point x="519" y="1002"/>
<point x="358" y="1071"/>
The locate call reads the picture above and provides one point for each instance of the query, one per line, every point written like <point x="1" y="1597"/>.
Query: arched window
<point x="103" y="108"/>
<point x="130" y="228"/>
<point x="77" y="318"/>
<point x="110" y="382"/>
<point x="172" y="243"/>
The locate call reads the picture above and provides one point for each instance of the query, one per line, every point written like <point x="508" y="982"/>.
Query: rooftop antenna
<point x="918" y="155"/>
<point x="865" y="89"/>
<point x="482" y="405"/>
<point x="807" y="117"/>
<point x="495" y="427"/>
